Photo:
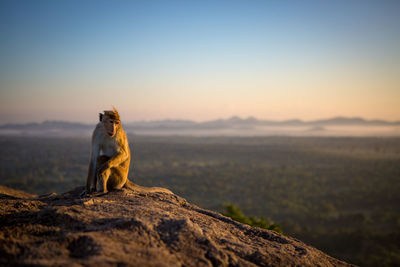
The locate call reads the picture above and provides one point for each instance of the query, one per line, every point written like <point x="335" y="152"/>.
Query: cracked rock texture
<point x="135" y="228"/>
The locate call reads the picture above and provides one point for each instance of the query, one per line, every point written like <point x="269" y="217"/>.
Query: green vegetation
<point x="236" y="214"/>
<point x="340" y="195"/>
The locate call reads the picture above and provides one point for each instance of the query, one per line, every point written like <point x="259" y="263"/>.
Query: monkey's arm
<point x="94" y="155"/>
<point x="122" y="155"/>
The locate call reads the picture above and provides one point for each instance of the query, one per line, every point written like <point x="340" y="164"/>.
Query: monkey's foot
<point x="96" y="194"/>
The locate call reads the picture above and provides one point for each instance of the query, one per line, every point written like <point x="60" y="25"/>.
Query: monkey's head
<point x="111" y="121"/>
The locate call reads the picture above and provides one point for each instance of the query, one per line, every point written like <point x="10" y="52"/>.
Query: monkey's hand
<point x="103" y="167"/>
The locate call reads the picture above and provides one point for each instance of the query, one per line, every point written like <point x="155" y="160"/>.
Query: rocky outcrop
<point x="130" y="228"/>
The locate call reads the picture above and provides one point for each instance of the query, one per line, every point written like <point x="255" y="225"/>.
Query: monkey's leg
<point x="92" y="184"/>
<point x="117" y="178"/>
<point x="102" y="180"/>
<point x="102" y="177"/>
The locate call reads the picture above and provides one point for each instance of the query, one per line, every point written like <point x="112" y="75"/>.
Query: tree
<point x="236" y="214"/>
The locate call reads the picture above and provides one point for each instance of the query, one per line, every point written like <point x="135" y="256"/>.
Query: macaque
<point x="110" y="158"/>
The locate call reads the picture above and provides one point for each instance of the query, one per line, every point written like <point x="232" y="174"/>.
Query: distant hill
<point x="47" y="128"/>
<point x="236" y="121"/>
<point x="231" y="126"/>
<point x="353" y="121"/>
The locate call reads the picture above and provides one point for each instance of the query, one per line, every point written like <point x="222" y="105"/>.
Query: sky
<point x="199" y="60"/>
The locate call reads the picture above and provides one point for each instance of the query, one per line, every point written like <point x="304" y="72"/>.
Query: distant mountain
<point x="236" y="121"/>
<point x="47" y="125"/>
<point x="231" y="126"/>
<point x="47" y="128"/>
<point x="166" y="124"/>
<point x="353" y="121"/>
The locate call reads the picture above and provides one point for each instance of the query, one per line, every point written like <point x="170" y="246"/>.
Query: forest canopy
<point x="340" y="195"/>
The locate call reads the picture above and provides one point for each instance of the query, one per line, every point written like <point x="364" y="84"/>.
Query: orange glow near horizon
<point x="272" y="61"/>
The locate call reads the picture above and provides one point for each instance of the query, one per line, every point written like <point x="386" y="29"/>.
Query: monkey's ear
<point x="100" y="116"/>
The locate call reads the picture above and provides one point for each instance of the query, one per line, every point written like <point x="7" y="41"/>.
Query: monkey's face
<point x="111" y="126"/>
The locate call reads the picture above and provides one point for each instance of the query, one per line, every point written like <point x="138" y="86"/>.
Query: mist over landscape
<point x="332" y="183"/>
<point x="234" y="126"/>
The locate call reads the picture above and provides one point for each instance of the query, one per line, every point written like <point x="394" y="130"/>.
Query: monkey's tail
<point x="135" y="187"/>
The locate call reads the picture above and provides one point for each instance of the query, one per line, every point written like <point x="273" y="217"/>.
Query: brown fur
<point x="110" y="158"/>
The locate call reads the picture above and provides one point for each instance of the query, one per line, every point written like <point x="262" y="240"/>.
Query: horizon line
<point x="219" y="118"/>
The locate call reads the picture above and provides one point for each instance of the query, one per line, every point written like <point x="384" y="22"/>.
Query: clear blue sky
<point x="200" y="60"/>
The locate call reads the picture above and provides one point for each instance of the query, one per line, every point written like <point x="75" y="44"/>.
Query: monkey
<point x="110" y="158"/>
<point x="110" y="155"/>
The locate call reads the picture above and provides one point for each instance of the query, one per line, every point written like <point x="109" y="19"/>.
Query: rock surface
<point x="131" y="228"/>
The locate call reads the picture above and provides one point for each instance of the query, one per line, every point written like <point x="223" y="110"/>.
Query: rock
<point x="130" y="228"/>
<point x="14" y="193"/>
